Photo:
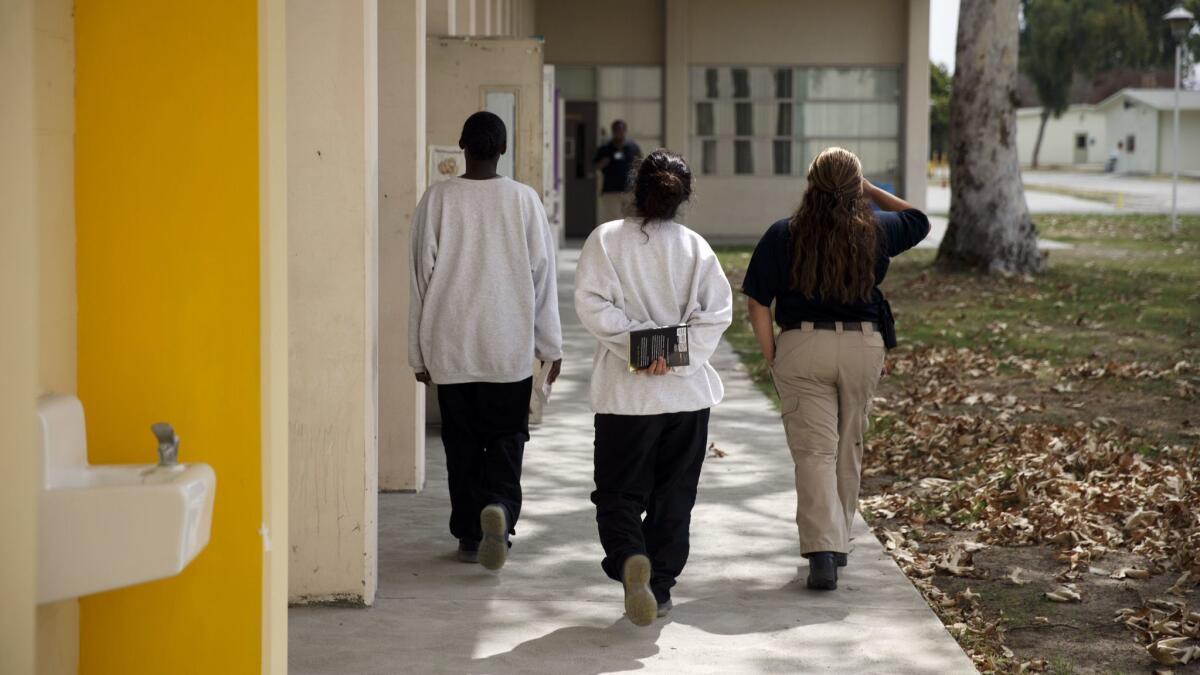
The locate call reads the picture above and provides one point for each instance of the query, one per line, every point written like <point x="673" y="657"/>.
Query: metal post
<point x="1175" y="150"/>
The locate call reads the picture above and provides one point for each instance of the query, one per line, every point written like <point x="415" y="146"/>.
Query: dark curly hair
<point x="663" y="184"/>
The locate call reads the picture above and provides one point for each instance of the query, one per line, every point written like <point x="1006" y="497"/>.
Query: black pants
<point x="484" y="428"/>
<point x="650" y="464"/>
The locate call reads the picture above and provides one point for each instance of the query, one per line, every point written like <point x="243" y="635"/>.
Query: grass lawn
<point x="1018" y="439"/>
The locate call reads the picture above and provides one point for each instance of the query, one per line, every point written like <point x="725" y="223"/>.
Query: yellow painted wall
<point x="167" y="207"/>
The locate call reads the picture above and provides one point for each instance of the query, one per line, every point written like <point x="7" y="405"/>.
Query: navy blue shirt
<point x="768" y="279"/>
<point x="618" y="176"/>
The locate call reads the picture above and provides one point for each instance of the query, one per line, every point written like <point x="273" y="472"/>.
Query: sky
<point x="943" y="28"/>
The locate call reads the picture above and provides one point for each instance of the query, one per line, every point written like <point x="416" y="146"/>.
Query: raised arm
<point x="423" y="254"/>
<point x="885" y="200"/>
<point x="598" y="300"/>
<point x="903" y="225"/>
<point x="708" y="315"/>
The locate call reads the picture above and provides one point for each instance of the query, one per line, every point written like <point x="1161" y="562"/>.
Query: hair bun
<point x="663" y="182"/>
<point x="670" y="182"/>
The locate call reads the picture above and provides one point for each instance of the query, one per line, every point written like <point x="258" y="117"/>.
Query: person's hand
<point x="658" y="367"/>
<point x="423" y="377"/>
<point x="555" y="369"/>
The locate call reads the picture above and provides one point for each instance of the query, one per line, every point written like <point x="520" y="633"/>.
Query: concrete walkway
<point x="740" y="606"/>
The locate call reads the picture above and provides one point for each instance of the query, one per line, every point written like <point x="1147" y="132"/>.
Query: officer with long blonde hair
<point x="821" y="269"/>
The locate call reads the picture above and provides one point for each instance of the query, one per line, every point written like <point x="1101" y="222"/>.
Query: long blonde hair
<point x="833" y="232"/>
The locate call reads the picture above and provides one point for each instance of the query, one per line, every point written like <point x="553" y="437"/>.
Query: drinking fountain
<point x="105" y="526"/>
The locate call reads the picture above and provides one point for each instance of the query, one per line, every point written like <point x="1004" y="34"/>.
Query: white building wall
<point x="1140" y="121"/>
<point x="1189" y="141"/>
<point x="1058" y="143"/>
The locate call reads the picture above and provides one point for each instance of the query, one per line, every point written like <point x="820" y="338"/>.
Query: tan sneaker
<point x="493" y="550"/>
<point x="640" y="605"/>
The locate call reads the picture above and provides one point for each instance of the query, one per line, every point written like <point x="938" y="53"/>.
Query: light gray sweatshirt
<point x="632" y="279"/>
<point x="483" y="292"/>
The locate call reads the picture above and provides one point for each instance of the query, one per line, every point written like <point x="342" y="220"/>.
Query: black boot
<point x="841" y="558"/>
<point x="822" y="571"/>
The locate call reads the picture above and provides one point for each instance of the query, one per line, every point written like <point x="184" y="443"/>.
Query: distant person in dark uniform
<point x="615" y="160"/>
<point x="821" y="269"/>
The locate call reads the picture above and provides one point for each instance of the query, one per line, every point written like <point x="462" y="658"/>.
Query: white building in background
<point x="1134" y="125"/>
<point x="1140" y="120"/>
<point x="1076" y="138"/>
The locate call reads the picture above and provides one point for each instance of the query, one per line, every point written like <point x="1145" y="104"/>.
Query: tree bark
<point x="990" y="227"/>
<point x="1037" y="145"/>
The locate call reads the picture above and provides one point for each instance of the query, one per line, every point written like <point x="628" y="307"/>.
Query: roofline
<point x="1128" y="91"/>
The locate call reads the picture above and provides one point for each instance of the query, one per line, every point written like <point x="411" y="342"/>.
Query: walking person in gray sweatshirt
<point x="642" y="272"/>
<point x="483" y="306"/>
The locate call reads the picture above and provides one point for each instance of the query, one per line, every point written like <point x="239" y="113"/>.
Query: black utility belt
<point x="834" y="325"/>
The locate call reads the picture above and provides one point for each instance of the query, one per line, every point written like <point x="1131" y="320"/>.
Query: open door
<point x="502" y="75"/>
<point x="579" y="147"/>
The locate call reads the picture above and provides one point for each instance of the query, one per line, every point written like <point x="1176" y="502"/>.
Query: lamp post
<point x="1180" y="20"/>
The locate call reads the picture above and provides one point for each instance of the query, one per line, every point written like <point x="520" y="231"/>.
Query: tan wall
<point x="1189" y="141"/>
<point x="333" y="247"/>
<point x="613" y="32"/>
<point x="57" y="623"/>
<point x="460" y="67"/>
<point x="683" y="33"/>
<point x="740" y="208"/>
<point x="402" y="32"/>
<point x="766" y="32"/>
<point x="18" y="340"/>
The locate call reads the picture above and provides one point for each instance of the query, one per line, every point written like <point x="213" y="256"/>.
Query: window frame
<point x="797" y="142"/>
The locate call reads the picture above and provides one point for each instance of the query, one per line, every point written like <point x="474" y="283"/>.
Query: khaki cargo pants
<point x="826" y="380"/>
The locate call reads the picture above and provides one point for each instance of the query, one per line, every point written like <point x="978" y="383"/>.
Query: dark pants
<point x="484" y="428"/>
<point x="650" y="464"/>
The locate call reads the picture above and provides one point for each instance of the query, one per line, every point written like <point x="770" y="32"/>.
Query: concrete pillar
<point x="333" y="240"/>
<point x="916" y="104"/>
<point x="57" y="623"/>
<point x="485" y="8"/>
<point x="676" y="105"/>
<point x="440" y="20"/>
<point x="402" y="41"/>
<point x="19" y="339"/>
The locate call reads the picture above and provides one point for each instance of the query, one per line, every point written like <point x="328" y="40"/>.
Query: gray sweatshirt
<point x="631" y="279"/>
<point x="484" y="296"/>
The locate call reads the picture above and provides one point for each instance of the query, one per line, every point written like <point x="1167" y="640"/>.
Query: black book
<point x="668" y="342"/>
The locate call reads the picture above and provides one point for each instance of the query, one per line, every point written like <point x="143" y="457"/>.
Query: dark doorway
<point x="579" y="147"/>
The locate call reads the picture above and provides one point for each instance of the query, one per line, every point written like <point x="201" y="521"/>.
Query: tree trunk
<point x="1037" y="145"/>
<point x="990" y="228"/>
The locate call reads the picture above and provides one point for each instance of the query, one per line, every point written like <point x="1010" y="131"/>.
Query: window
<point x="1081" y="141"/>
<point x="783" y="116"/>
<point x="708" y="158"/>
<point x="743" y="158"/>
<point x="741" y="83"/>
<point x="782" y="151"/>
<point x="1130" y="141"/>
<point x="704" y="119"/>
<point x="633" y="94"/>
